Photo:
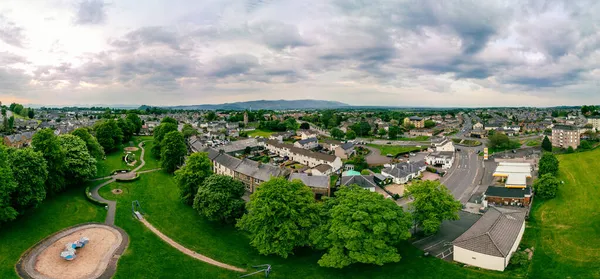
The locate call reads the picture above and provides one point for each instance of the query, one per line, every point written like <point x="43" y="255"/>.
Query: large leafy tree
<point x="136" y="120"/>
<point x="548" y="164"/>
<point x="350" y="135"/>
<point x="219" y="199"/>
<point x="173" y="150"/>
<point x="432" y="204"/>
<point x="280" y="216"/>
<point x="30" y="173"/>
<point x="93" y="147"/>
<point x="394" y="131"/>
<point x="546" y="186"/>
<point x="159" y="133"/>
<point x="45" y="142"/>
<point x="336" y="133"/>
<point x="168" y="119"/>
<point x="108" y="135"/>
<point x="359" y="226"/>
<point x="79" y="164"/>
<point x="188" y="131"/>
<point x="7" y="187"/>
<point x="127" y="127"/>
<point x="546" y="144"/>
<point x="189" y="177"/>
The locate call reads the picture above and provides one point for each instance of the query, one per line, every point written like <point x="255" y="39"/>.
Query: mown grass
<point x="114" y="160"/>
<point x="566" y="230"/>
<point x="148" y="257"/>
<point x="54" y="214"/>
<point x="260" y="133"/>
<point x="394" y="149"/>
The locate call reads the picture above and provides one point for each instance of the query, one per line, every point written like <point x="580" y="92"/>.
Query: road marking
<point x="423" y="239"/>
<point x="436" y="244"/>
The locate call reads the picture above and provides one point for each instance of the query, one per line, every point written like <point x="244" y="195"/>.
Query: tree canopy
<point x="168" y="119"/>
<point x="546" y="144"/>
<point x="336" y="133"/>
<point x="188" y="131"/>
<point x="30" y="173"/>
<point x="127" y="127"/>
<point x="197" y="168"/>
<point x="432" y="204"/>
<point x="350" y="135"/>
<point x="304" y="126"/>
<point x="79" y="164"/>
<point x="109" y="135"/>
<point x="7" y="187"/>
<point x="393" y="132"/>
<point x="173" y="150"/>
<point x="219" y="199"/>
<point x="45" y="142"/>
<point x="93" y="147"/>
<point x="159" y="133"/>
<point x="135" y="119"/>
<point x="280" y="216"/>
<point x="359" y="226"/>
<point x="546" y="186"/>
<point x="429" y="124"/>
<point x="548" y="164"/>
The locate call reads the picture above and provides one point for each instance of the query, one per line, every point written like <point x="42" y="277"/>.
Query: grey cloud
<point x="12" y="81"/>
<point x="279" y="35"/>
<point x="148" y="36"/>
<point x="7" y="58"/>
<point x="10" y="33"/>
<point x="234" y="64"/>
<point x="91" y="12"/>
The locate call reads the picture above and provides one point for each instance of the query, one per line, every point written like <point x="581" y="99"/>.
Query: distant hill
<point x="264" y="104"/>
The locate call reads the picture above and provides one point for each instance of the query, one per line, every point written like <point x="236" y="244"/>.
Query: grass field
<point x="55" y="213"/>
<point x="114" y="160"/>
<point x="151" y="162"/>
<point x="148" y="257"/>
<point x="394" y="149"/>
<point x="260" y="133"/>
<point x="533" y="143"/>
<point x="566" y="229"/>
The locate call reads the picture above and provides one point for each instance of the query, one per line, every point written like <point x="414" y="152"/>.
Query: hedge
<point x="88" y="195"/>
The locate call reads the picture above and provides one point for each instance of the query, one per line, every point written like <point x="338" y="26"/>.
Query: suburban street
<point x="464" y="176"/>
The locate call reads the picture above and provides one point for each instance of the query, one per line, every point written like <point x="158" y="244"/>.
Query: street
<point x="465" y="174"/>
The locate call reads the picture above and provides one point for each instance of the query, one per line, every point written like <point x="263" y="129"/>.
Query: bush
<point x="88" y="195"/>
<point x="365" y="172"/>
<point x="519" y="258"/>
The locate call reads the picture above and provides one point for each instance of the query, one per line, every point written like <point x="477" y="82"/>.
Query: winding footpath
<point x="112" y="208"/>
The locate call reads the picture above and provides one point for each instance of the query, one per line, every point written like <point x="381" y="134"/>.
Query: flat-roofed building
<point x="565" y="136"/>
<point x="514" y="175"/>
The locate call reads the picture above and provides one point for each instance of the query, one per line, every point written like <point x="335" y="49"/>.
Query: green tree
<point x="350" y="135"/>
<point x="570" y="149"/>
<point x="546" y="144"/>
<point x="358" y="226"/>
<point x="7" y="187"/>
<point x="393" y="132"/>
<point x="197" y="168"/>
<point x="429" y="124"/>
<point x="109" y="135"/>
<point x="30" y="113"/>
<point x="381" y="132"/>
<point x="304" y="126"/>
<point x="290" y="124"/>
<point x="219" y="199"/>
<point x="135" y="119"/>
<point x="188" y="130"/>
<point x="548" y="164"/>
<point x="93" y="147"/>
<point x="168" y="119"/>
<point x="159" y="133"/>
<point x="280" y="216"/>
<point x="11" y="122"/>
<point x="498" y="141"/>
<point x="432" y="204"/>
<point x="546" y="186"/>
<point x="173" y="150"/>
<point x="361" y="128"/>
<point x="127" y="127"/>
<point x="211" y="116"/>
<point x="336" y="133"/>
<point x="45" y="142"/>
<point x="30" y="173"/>
<point x="79" y="164"/>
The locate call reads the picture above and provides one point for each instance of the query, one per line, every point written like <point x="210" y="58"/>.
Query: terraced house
<point x="19" y="140"/>
<point x="303" y="156"/>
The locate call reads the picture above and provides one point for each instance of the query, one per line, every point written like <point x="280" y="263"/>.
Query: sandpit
<point x="131" y="149"/>
<point x="44" y="260"/>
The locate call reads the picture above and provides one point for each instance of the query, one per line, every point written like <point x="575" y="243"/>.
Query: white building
<point x="595" y="121"/>
<point x="444" y="146"/>
<point x="402" y="173"/>
<point x="308" y="143"/>
<point x="303" y="156"/>
<point x="443" y="159"/>
<point x="478" y="126"/>
<point x="304" y="134"/>
<point x="492" y="240"/>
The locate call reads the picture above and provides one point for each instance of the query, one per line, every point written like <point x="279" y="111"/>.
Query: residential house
<point x="281" y="136"/>
<point x="345" y="150"/>
<point x="492" y="240"/>
<point x="404" y="172"/>
<point x="420" y="133"/>
<point x="308" y="143"/>
<point x="565" y="136"/>
<point x="330" y="144"/>
<point x="367" y="182"/>
<point x="478" y="126"/>
<point x="319" y="184"/>
<point x="305" y="134"/>
<point x="418" y="122"/>
<point x="322" y="169"/>
<point x="444" y="145"/>
<point x="19" y="140"/>
<point x="443" y="159"/>
<point x="303" y="156"/>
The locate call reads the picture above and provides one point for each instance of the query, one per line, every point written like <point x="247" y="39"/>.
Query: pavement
<point x="464" y="176"/>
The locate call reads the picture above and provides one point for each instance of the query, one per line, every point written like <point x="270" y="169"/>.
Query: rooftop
<point x="314" y="181"/>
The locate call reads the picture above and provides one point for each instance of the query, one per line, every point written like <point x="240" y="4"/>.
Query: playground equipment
<point x="69" y="253"/>
<point x="266" y="269"/>
<point x="136" y="210"/>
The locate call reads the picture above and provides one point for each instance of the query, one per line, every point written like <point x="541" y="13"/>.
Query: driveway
<point x="375" y="158"/>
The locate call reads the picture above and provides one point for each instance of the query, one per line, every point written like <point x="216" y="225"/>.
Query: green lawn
<point x="55" y="213"/>
<point x="151" y="162"/>
<point x="114" y="160"/>
<point x="148" y="257"/>
<point x="533" y="143"/>
<point x="260" y="133"/>
<point x="566" y="229"/>
<point x="394" y="149"/>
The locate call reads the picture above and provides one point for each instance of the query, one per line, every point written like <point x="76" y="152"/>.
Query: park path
<point x="187" y="251"/>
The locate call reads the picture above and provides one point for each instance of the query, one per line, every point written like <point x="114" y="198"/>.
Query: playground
<point x="91" y="261"/>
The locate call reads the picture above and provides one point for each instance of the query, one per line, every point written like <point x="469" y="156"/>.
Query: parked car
<point x="389" y="155"/>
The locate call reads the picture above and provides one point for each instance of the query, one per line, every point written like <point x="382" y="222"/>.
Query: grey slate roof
<point x="305" y="152"/>
<point x="507" y="192"/>
<point x="322" y="167"/>
<point x="308" y="140"/>
<point x="239" y="145"/>
<point x="364" y="181"/>
<point x="314" y="181"/>
<point x="229" y="162"/>
<point x="259" y="171"/>
<point x="494" y="233"/>
<point x="404" y="169"/>
<point x="415" y="118"/>
<point x="348" y="146"/>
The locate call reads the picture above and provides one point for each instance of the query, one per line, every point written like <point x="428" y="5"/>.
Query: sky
<point x="455" y="53"/>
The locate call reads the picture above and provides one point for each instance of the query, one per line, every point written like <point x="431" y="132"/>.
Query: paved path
<point x="188" y="251"/>
<point x="374" y="157"/>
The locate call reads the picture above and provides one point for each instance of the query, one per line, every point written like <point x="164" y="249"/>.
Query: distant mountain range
<point x="264" y="104"/>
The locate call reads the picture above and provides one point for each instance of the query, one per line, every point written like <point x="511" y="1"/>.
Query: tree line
<point x="169" y="144"/>
<point x="354" y="226"/>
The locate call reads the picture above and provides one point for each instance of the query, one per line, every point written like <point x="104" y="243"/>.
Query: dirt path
<point x="188" y="251"/>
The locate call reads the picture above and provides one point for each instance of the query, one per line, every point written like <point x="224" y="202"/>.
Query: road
<point x="464" y="176"/>
<point x="375" y="158"/>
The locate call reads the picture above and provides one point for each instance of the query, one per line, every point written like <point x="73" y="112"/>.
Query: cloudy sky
<point x="361" y="52"/>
